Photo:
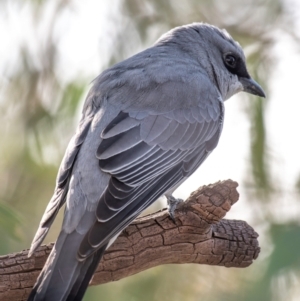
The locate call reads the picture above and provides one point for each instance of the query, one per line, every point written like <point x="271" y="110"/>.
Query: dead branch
<point x="200" y="235"/>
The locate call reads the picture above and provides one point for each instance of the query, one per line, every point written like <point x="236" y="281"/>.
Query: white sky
<point x="84" y="43"/>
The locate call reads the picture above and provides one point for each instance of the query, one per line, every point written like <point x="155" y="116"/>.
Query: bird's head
<point x="221" y="56"/>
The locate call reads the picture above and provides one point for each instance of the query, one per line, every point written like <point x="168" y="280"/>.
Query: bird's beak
<point x="251" y="86"/>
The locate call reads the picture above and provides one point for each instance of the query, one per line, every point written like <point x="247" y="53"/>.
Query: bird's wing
<point x="62" y="182"/>
<point x="146" y="154"/>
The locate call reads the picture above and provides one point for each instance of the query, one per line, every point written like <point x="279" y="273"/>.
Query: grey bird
<point x="147" y="124"/>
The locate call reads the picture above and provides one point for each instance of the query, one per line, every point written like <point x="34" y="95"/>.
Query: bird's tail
<point x="63" y="277"/>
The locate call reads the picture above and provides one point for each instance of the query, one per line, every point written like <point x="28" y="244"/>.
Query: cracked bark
<point x="200" y="235"/>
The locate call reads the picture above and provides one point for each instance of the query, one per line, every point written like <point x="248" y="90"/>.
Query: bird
<point x="147" y="124"/>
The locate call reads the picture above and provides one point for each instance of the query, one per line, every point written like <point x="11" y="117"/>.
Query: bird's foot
<point x="172" y="205"/>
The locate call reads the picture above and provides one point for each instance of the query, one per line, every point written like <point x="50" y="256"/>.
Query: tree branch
<point x="200" y="235"/>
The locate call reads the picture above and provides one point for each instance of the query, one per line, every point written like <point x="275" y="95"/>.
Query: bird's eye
<point x="230" y="61"/>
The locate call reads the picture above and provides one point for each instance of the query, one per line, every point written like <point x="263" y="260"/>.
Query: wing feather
<point x="121" y="142"/>
<point x="164" y="135"/>
<point x="177" y="115"/>
<point x="152" y="127"/>
<point x="173" y="140"/>
<point x="151" y="155"/>
<point x="103" y="231"/>
<point x="121" y="127"/>
<point x="191" y="129"/>
<point x="62" y="183"/>
<point x="128" y="159"/>
<point x="188" y="114"/>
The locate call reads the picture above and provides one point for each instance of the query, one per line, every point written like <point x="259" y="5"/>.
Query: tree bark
<point x="199" y="235"/>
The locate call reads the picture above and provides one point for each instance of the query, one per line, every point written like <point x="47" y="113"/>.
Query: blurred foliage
<point x="10" y="224"/>
<point x="40" y="111"/>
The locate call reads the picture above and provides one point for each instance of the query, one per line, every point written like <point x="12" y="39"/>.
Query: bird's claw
<point x="172" y="205"/>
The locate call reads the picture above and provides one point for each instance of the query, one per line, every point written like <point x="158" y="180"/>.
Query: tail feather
<point x="64" y="277"/>
<point x="83" y="280"/>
